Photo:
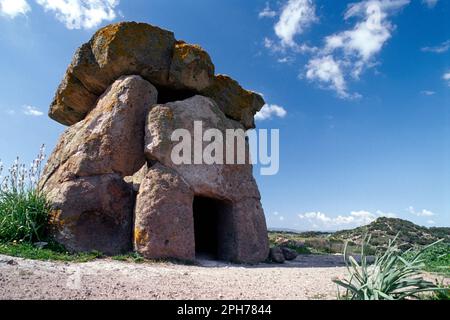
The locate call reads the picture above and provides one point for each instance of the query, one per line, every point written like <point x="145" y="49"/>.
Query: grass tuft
<point x="23" y="216"/>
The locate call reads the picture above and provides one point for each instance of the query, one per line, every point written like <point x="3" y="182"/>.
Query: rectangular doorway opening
<point x="213" y="228"/>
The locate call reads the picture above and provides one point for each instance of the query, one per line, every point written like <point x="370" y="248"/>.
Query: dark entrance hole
<point x="166" y="94"/>
<point x="213" y="228"/>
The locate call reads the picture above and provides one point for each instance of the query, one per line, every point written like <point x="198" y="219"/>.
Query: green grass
<point x="23" y="216"/>
<point x="52" y="252"/>
<point x="56" y="253"/>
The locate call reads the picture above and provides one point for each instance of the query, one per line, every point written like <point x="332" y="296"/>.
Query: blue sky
<point x="359" y="90"/>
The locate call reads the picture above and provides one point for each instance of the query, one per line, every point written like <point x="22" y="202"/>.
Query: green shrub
<point x="435" y="259"/>
<point x="391" y="277"/>
<point x="23" y="209"/>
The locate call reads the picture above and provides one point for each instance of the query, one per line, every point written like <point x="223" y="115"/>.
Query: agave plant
<point x="392" y="276"/>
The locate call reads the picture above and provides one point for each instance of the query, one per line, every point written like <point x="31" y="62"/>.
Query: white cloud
<point x="430" y="3"/>
<point x="13" y="8"/>
<point x="443" y="47"/>
<point x="267" y="12"/>
<point x="285" y="60"/>
<point x="271" y="45"/>
<point x="327" y="70"/>
<point x="348" y="53"/>
<point x="344" y="55"/>
<point x="428" y="93"/>
<point x="295" y="17"/>
<point x="431" y="222"/>
<point x="269" y="111"/>
<point x="77" y="14"/>
<point x="323" y="222"/>
<point x="32" y="111"/>
<point x="446" y="77"/>
<point x="422" y="213"/>
<point x="386" y="214"/>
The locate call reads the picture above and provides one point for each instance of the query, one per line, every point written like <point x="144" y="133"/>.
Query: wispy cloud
<point x="446" y="77"/>
<point x="348" y="53"/>
<point x="421" y="213"/>
<point x="32" y="111"/>
<point x="441" y="48"/>
<point x="295" y="17"/>
<point x="428" y="92"/>
<point x="322" y="221"/>
<point x="430" y="3"/>
<point x="342" y="56"/>
<point x="270" y="111"/>
<point x="326" y="70"/>
<point x="75" y="14"/>
<point x="13" y="8"/>
<point x="277" y="216"/>
<point x="267" y="12"/>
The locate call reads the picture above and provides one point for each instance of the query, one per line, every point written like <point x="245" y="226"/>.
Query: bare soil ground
<point x="309" y="277"/>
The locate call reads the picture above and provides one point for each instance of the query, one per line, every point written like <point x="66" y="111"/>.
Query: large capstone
<point x="128" y="48"/>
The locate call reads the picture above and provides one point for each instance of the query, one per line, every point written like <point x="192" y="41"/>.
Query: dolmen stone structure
<point x="111" y="181"/>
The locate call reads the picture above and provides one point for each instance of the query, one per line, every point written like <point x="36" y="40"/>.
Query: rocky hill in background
<point x="381" y="231"/>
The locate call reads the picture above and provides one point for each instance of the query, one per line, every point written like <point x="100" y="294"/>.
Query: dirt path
<point x="306" y="278"/>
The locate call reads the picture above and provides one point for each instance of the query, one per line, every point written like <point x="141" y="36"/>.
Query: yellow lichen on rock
<point x="131" y="48"/>
<point x="236" y="102"/>
<point x="141" y="238"/>
<point x="191" y="67"/>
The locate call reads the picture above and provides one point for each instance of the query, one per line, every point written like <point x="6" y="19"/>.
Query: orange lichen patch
<point x="141" y="238"/>
<point x="191" y="67"/>
<point x="225" y="88"/>
<point x="54" y="216"/>
<point x="124" y="39"/>
<point x="108" y="32"/>
<point x="187" y="51"/>
<point x="57" y="222"/>
<point x="168" y="113"/>
<point x="236" y="102"/>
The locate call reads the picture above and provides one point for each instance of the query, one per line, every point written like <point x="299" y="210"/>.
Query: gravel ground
<point x="309" y="277"/>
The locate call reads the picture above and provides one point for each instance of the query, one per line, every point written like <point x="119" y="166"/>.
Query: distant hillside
<point x="384" y="229"/>
<point x="381" y="231"/>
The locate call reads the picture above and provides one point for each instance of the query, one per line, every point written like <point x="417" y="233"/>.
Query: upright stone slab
<point x="84" y="176"/>
<point x="164" y="223"/>
<point x="245" y="232"/>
